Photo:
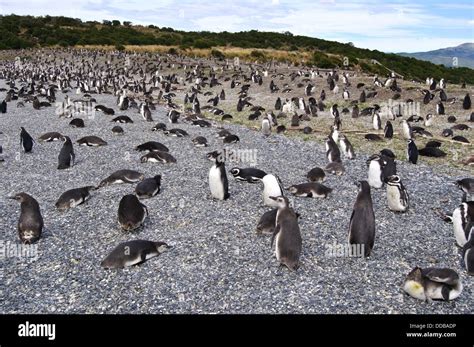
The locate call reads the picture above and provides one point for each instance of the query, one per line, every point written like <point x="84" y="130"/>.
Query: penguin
<point x="271" y="188"/>
<point x="3" y="107"/>
<point x="149" y="187"/>
<point x="66" y="157"/>
<point x="375" y="175"/>
<point x="355" y="112"/>
<point x="73" y="197"/>
<point x="250" y="175"/>
<point x="333" y="153"/>
<point x="362" y="222"/>
<point x="218" y="183"/>
<point x="334" y="111"/>
<point x="462" y="217"/>
<point x="388" y="130"/>
<point x="152" y="146"/>
<point x="118" y="130"/>
<point x="77" y="123"/>
<point x="131" y="213"/>
<point x="132" y="253"/>
<point x="310" y="190"/>
<point x="91" y="141"/>
<point x="173" y="116"/>
<point x="335" y="168"/>
<point x="30" y="223"/>
<point x="26" y="141"/>
<point x="266" y="223"/>
<point x="406" y="130"/>
<point x="468" y="255"/>
<point x="146" y="113"/>
<point x="433" y="284"/>
<point x="412" y="152"/>
<point x="122" y="120"/>
<point x="50" y="137"/>
<point x="175" y="132"/>
<point x="286" y="236"/>
<point x="316" y="175"/>
<point x="334" y="133"/>
<point x="440" y="108"/>
<point x="266" y="127"/>
<point x="467" y="187"/>
<point x="429" y="120"/>
<point x="346" y="147"/>
<point x="231" y="139"/>
<point x="466" y="104"/>
<point x="122" y="176"/>
<point x="376" y="122"/>
<point x="158" y="157"/>
<point x="397" y="195"/>
<point x="200" y="141"/>
<point x="159" y="127"/>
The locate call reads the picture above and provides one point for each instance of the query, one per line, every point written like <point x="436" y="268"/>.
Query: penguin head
<point x="162" y="247"/>
<point x="235" y="171"/>
<point x="281" y="201"/>
<point x="394" y="179"/>
<point x="157" y="179"/>
<point x="21" y="197"/>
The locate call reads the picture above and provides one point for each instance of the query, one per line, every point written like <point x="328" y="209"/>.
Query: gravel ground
<point x="217" y="264"/>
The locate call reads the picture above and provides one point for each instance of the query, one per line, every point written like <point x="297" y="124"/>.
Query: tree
<point x="127" y="23"/>
<point x="106" y="22"/>
<point x="116" y="23"/>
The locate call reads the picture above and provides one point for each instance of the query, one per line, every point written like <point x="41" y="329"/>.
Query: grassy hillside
<point x="28" y="31"/>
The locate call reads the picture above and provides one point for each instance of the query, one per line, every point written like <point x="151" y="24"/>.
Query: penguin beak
<point x="273" y="197"/>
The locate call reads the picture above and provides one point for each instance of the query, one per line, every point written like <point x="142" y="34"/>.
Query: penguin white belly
<point x="343" y="146"/>
<point x="458" y="228"/>
<point x="215" y="183"/>
<point x="374" y="175"/>
<point x="274" y="190"/>
<point x="277" y="248"/>
<point x="393" y="199"/>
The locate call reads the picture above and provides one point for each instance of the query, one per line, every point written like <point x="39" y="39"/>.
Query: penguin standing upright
<point x="406" y="130"/>
<point x="218" y="182"/>
<point x="463" y="217"/>
<point x="388" y="130"/>
<point x="271" y="188"/>
<point x="346" y="147"/>
<point x="468" y="255"/>
<point x="440" y="108"/>
<point x="362" y="223"/>
<point x="286" y="235"/>
<point x="376" y="167"/>
<point x="412" y="152"/>
<point x="333" y="153"/>
<point x="376" y="121"/>
<point x="3" y="107"/>
<point x="397" y="195"/>
<point x="466" y="104"/>
<point x="266" y="127"/>
<point x="30" y="223"/>
<point x="66" y="155"/>
<point x="26" y="141"/>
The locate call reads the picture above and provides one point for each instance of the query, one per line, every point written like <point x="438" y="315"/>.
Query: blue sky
<point x="390" y="26"/>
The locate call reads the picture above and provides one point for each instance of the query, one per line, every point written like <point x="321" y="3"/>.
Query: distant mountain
<point x="464" y="54"/>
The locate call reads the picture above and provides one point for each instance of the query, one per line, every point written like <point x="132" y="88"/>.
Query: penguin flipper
<point x="275" y="232"/>
<point x="445" y="292"/>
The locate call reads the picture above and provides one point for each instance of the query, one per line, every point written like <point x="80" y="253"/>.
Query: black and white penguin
<point x="310" y="190"/>
<point x="50" y="137"/>
<point x="462" y="218"/>
<point x="26" y="141"/>
<point x="91" y="141"/>
<point x="266" y="127"/>
<point x="132" y="253"/>
<point x="117" y="130"/>
<point x="159" y="127"/>
<point x="406" y="130"/>
<point x="122" y="176"/>
<point x="30" y="223"/>
<point x="397" y="195"/>
<point x="152" y="146"/>
<point x="158" y="157"/>
<point x="250" y="175"/>
<point x="131" y="213"/>
<point x="412" y="152"/>
<point x="200" y="141"/>
<point x="231" y="139"/>
<point x="3" y="107"/>
<point x="286" y="236"/>
<point x="173" y="116"/>
<point x="466" y="104"/>
<point x="429" y="120"/>
<point x="176" y="132"/>
<point x="218" y="183"/>
<point x="73" y="197"/>
<point x="376" y="121"/>
<point x="271" y="188"/>
<point x="440" y="108"/>
<point x="77" y="123"/>
<point x="334" y="111"/>
<point x="375" y="174"/>
<point x="266" y="223"/>
<point x="149" y="187"/>
<point x="333" y="154"/>
<point x="66" y="157"/>
<point x="388" y="130"/>
<point x="362" y="222"/>
<point x="316" y="175"/>
<point x="122" y="120"/>
<point x="346" y="147"/>
<point x="145" y="112"/>
<point x="433" y="284"/>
